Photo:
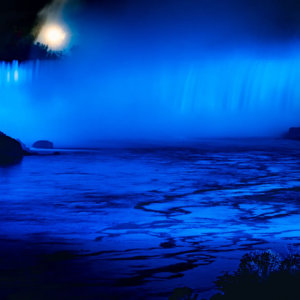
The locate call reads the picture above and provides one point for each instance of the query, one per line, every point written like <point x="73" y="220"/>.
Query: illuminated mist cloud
<point x="53" y="31"/>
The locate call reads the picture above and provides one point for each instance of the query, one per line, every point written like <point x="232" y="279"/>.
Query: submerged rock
<point x="293" y="134"/>
<point x="10" y="149"/>
<point x="169" y="244"/>
<point x="43" y="145"/>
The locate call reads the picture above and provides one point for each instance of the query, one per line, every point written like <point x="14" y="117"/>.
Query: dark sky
<point x="186" y="21"/>
<point x="280" y="18"/>
<point x="191" y="25"/>
<point x="19" y="12"/>
<point x="17" y="18"/>
<point x="266" y="21"/>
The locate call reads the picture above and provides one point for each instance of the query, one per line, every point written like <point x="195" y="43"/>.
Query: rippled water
<point x="136" y="223"/>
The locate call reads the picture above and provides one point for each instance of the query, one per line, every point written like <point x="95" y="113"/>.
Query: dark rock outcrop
<point x="43" y="145"/>
<point x="10" y="149"/>
<point x="27" y="151"/>
<point x="293" y="134"/>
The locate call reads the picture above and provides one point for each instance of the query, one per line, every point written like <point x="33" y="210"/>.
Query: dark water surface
<point x="136" y="223"/>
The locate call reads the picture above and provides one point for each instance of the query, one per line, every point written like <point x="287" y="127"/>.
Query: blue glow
<point x="72" y="103"/>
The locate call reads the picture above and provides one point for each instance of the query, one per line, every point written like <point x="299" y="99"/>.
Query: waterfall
<point x="210" y="97"/>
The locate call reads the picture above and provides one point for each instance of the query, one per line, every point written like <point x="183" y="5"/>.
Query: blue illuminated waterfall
<point x="66" y="101"/>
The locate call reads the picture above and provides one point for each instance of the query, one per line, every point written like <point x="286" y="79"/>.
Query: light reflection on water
<point x="139" y="222"/>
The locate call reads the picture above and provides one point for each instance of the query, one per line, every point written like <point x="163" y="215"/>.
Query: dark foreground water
<point x="136" y="223"/>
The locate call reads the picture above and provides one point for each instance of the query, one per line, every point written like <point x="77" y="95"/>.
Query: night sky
<point x="182" y="24"/>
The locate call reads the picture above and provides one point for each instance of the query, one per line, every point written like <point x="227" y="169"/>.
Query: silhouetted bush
<point x="260" y="276"/>
<point x="184" y="293"/>
<point x="42" y="52"/>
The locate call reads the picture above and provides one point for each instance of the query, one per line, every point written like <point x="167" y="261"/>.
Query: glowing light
<point x="54" y="35"/>
<point x="16" y="75"/>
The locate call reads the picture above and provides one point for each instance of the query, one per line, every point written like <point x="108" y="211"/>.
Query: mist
<point x="160" y="71"/>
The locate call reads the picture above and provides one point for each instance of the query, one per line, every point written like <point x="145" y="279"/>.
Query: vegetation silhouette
<point x="261" y="275"/>
<point x="19" y="27"/>
<point x="24" y="48"/>
<point x="184" y="293"/>
<point x="42" y="52"/>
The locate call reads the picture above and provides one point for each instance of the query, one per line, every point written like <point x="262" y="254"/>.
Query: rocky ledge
<point x="293" y="134"/>
<point x="43" y="145"/>
<point x="10" y="149"/>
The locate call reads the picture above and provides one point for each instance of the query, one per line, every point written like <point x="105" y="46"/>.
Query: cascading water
<point x="71" y="102"/>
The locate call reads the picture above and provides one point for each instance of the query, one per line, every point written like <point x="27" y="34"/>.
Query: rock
<point x="43" y="145"/>
<point x="293" y="134"/>
<point x="10" y="149"/>
<point x="26" y="149"/>
<point x="169" y="244"/>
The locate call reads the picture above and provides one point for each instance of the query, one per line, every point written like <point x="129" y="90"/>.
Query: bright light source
<point x="56" y="35"/>
<point x="53" y="35"/>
